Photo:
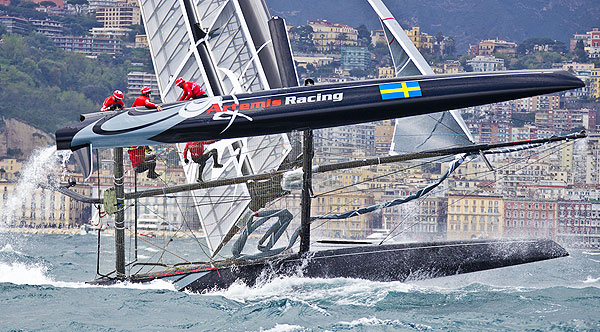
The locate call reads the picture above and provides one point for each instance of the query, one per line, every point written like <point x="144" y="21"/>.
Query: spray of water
<point x="40" y="169"/>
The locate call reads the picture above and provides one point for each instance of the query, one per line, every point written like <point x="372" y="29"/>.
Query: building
<point x="579" y="224"/>
<point x="530" y="219"/>
<point x="15" y="24"/>
<point x="492" y="46"/>
<point x="329" y="36"/>
<point x="141" y="41"/>
<point x="482" y="63"/>
<point x="378" y="36"/>
<point x="352" y="228"/>
<point x="355" y="58"/>
<point x="340" y="143"/>
<point x="118" y="16"/>
<point x="386" y="72"/>
<point x="44" y="208"/>
<point x="137" y="80"/>
<point x="317" y="61"/>
<point x="10" y="169"/>
<point x="48" y="27"/>
<point x="475" y="217"/>
<point x="422" y="41"/>
<point x="583" y="37"/>
<point x="384" y="132"/>
<point x="88" y="45"/>
<point x="595" y="84"/>
<point x="94" y="5"/>
<point x="114" y="33"/>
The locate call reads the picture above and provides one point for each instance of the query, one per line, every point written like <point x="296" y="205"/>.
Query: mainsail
<point x="422" y="132"/>
<point x="211" y="43"/>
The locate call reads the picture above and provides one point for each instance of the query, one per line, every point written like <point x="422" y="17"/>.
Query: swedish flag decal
<point x="400" y="90"/>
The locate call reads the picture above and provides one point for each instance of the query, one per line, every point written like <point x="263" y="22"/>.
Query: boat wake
<point x="36" y="274"/>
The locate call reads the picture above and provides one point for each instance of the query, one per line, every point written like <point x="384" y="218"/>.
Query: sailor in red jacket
<point x="197" y="153"/>
<point x="142" y="160"/>
<point x="114" y="102"/>
<point x="144" y="99"/>
<point x="191" y="90"/>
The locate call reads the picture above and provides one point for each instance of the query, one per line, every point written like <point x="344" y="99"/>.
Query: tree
<point x="580" y="52"/>
<point x="48" y="4"/>
<point x="28" y="4"/>
<point x="364" y="35"/>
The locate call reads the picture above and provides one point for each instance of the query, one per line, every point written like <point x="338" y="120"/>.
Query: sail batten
<point x="443" y="129"/>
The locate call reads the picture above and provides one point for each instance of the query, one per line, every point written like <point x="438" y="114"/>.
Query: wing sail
<point x="230" y="41"/>
<point x="422" y="132"/>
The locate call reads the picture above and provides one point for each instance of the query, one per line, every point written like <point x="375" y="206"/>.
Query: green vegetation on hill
<point x="47" y="87"/>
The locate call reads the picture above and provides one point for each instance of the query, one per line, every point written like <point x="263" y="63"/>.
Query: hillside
<point x="18" y="139"/>
<point x="467" y="21"/>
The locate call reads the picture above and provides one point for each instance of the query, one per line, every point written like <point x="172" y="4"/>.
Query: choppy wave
<point x="592" y="253"/>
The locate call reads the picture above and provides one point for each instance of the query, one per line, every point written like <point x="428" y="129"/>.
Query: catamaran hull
<point x="398" y="262"/>
<point x="283" y="110"/>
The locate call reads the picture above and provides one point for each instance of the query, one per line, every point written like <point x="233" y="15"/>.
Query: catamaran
<point x="264" y="121"/>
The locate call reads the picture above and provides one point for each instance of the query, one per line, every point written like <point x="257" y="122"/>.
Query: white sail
<point x="237" y="60"/>
<point x="423" y="132"/>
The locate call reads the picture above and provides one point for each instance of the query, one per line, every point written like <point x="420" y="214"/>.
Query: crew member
<point x="144" y="99"/>
<point x="191" y="90"/>
<point x="142" y="159"/>
<point x="197" y="153"/>
<point x="114" y="102"/>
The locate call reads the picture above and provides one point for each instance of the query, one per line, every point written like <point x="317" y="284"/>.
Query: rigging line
<point x="424" y="191"/>
<point x="327" y="193"/>
<point x="463" y="197"/>
<point x="190" y="229"/>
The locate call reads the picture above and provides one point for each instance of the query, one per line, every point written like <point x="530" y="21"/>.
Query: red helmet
<point x="118" y="94"/>
<point x="146" y="90"/>
<point x="179" y="81"/>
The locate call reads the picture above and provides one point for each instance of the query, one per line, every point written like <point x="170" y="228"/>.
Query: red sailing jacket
<point x="191" y="90"/>
<point x="137" y="155"/>
<point x="143" y="101"/>
<point x="110" y="101"/>
<point x="196" y="149"/>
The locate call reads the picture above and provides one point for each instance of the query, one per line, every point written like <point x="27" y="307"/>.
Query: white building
<point x="137" y="80"/>
<point x="483" y="63"/>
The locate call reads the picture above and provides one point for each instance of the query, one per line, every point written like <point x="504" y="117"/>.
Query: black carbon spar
<point x="321" y="106"/>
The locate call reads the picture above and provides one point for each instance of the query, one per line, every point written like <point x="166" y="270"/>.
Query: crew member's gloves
<point x="186" y="161"/>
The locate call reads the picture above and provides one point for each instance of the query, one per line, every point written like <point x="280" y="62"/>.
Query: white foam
<point x="592" y="253"/>
<point x="23" y="274"/>
<point x="41" y="164"/>
<point x="9" y="248"/>
<point x="343" y="291"/>
<point x="284" y="328"/>
<point x="374" y="321"/>
<point x="590" y="280"/>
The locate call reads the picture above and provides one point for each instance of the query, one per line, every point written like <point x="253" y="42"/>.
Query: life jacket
<point x="137" y="155"/>
<point x="143" y="101"/>
<point x="196" y="148"/>
<point x="111" y="104"/>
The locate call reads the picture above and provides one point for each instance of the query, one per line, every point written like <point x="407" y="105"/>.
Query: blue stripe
<point x="395" y="95"/>
<point x="414" y="93"/>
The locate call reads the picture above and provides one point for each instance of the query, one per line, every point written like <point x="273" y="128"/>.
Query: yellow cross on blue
<point x="400" y="90"/>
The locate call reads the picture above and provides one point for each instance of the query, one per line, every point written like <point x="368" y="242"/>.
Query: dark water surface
<point x="42" y="288"/>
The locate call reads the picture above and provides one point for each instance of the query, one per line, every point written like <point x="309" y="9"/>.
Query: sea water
<point x="43" y="288"/>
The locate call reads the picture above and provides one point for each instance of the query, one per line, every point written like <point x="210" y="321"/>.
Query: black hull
<point x="397" y="262"/>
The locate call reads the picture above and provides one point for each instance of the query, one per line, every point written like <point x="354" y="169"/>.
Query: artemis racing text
<point x="292" y="100"/>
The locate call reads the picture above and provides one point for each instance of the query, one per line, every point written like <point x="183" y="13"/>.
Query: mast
<point x="120" y="215"/>
<point x="306" y="188"/>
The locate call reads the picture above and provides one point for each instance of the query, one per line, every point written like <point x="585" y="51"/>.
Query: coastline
<point x="106" y="232"/>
